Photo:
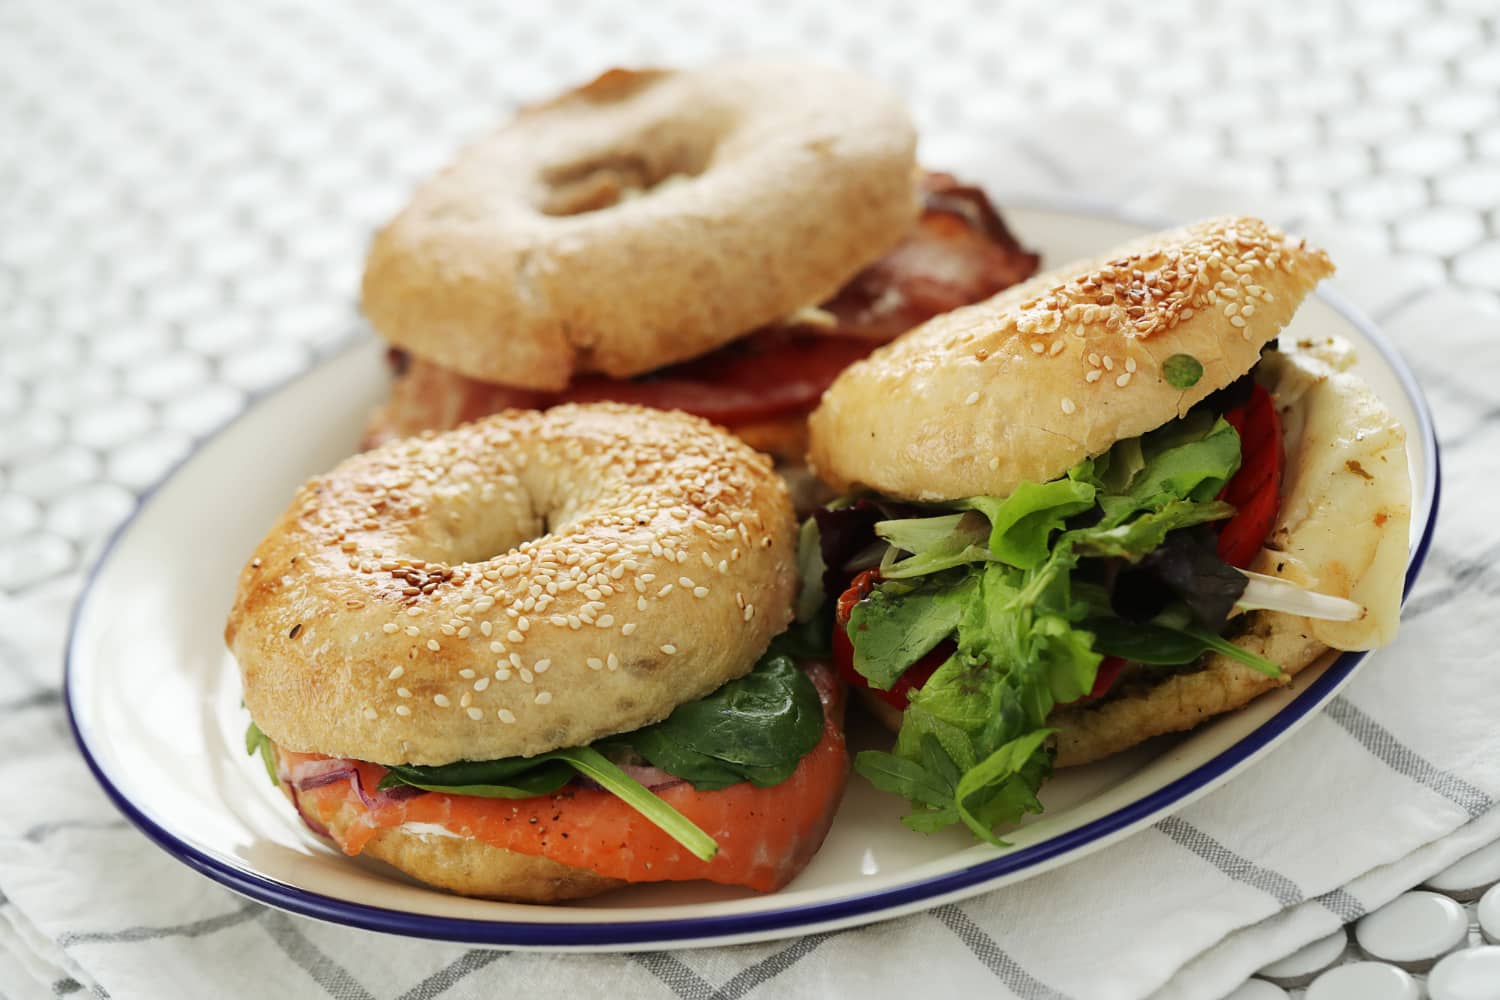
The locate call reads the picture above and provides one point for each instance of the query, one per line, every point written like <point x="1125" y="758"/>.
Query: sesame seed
<point x="523" y="623"/>
<point x="402" y="710"/>
<point x="665" y="590"/>
<point x="1094" y="375"/>
<point x="595" y="663"/>
<point x="467" y="674"/>
<point x="542" y="666"/>
<point x="441" y="701"/>
<point x="971" y="399"/>
<point x="432" y="644"/>
<point x="613" y="662"/>
<point x="475" y="714"/>
<point x="628" y="628"/>
<point x="994" y="464"/>
<point x="640" y="604"/>
<point x="497" y="646"/>
<point x="412" y="630"/>
<point x="605" y="621"/>
<point x="390" y="628"/>
<point x="668" y="648"/>
<point x="1130" y="364"/>
<point x="700" y="591"/>
<point x="1123" y="380"/>
<point x="1237" y="321"/>
<point x="527" y="676"/>
<point x="502" y="674"/>
<point x="463" y="632"/>
<point x="543" y="698"/>
<point x="1109" y="363"/>
<point x="413" y="611"/>
<point x="447" y="630"/>
<point x="403" y="692"/>
<point x="1068" y="406"/>
<point x="369" y="712"/>
<point x="485" y="628"/>
<point x="395" y="673"/>
<point x="506" y="716"/>
<point x="514" y="636"/>
<point x="516" y="661"/>
<point x="481" y="684"/>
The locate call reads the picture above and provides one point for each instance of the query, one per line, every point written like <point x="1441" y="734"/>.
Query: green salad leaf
<point x="974" y="743"/>
<point x="896" y="628"/>
<point x="257" y="742"/>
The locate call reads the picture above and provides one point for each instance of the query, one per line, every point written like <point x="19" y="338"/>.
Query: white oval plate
<point x="154" y="702"/>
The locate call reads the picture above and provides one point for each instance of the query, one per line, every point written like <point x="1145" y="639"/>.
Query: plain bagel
<point x="526" y="582"/>
<point x="645" y="218"/>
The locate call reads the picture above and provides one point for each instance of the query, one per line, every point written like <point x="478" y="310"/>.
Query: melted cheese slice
<point x="1346" y="496"/>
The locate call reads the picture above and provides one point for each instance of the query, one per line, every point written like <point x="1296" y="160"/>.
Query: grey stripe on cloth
<point x="192" y="929"/>
<point x="1237" y="867"/>
<point x="987" y="950"/>
<point x="688" y="985"/>
<point x="42" y="831"/>
<point x="36" y="699"/>
<point x="768" y="968"/>
<point x="1342" y="904"/>
<point x="683" y="981"/>
<point x="1475" y="569"/>
<point x="327" y="973"/>
<point x="1405" y="761"/>
<point x="446" y="977"/>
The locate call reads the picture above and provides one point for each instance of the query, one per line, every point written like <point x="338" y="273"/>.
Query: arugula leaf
<point x="936" y="543"/>
<point x="973" y="740"/>
<point x="1022" y="524"/>
<point x="1139" y="537"/>
<point x="1002" y="788"/>
<point x="257" y="742"/>
<point x="755" y="729"/>
<point x="1188" y="459"/>
<point x="811" y="569"/>
<point x="890" y="630"/>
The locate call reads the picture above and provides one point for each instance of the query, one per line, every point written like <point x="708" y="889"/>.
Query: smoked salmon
<point x="765" y="835"/>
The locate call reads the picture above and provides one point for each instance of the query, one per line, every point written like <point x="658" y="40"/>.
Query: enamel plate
<point x="154" y="702"/>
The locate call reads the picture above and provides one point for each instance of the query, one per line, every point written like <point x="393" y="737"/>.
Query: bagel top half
<point x="645" y="218"/>
<point x="1026" y="384"/>
<point x="526" y="582"/>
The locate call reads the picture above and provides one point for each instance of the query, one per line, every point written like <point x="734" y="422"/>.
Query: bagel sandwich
<point x="722" y="241"/>
<point x="538" y="657"/>
<point x="1104" y="505"/>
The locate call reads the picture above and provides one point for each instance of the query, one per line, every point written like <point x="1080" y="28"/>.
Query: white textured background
<point x="186" y="189"/>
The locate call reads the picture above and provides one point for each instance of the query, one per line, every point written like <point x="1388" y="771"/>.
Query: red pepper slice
<point x="1255" y="490"/>
<point x="843" y="649"/>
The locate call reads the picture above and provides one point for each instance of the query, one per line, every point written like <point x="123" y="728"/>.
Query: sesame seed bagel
<point x="522" y="583"/>
<point x="613" y="229"/>
<point x="1028" y="383"/>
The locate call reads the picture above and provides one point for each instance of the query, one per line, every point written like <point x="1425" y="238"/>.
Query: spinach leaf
<point x="1188" y="459"/>
<point x="1141" y="642"/>
<point x="755" y="729"/>
<point x="509" y="778"/>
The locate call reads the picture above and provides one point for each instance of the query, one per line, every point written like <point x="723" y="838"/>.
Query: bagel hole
<point x="595" y="184"/>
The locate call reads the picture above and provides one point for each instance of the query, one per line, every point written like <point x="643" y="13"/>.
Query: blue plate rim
<point x="710" y="929"/>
